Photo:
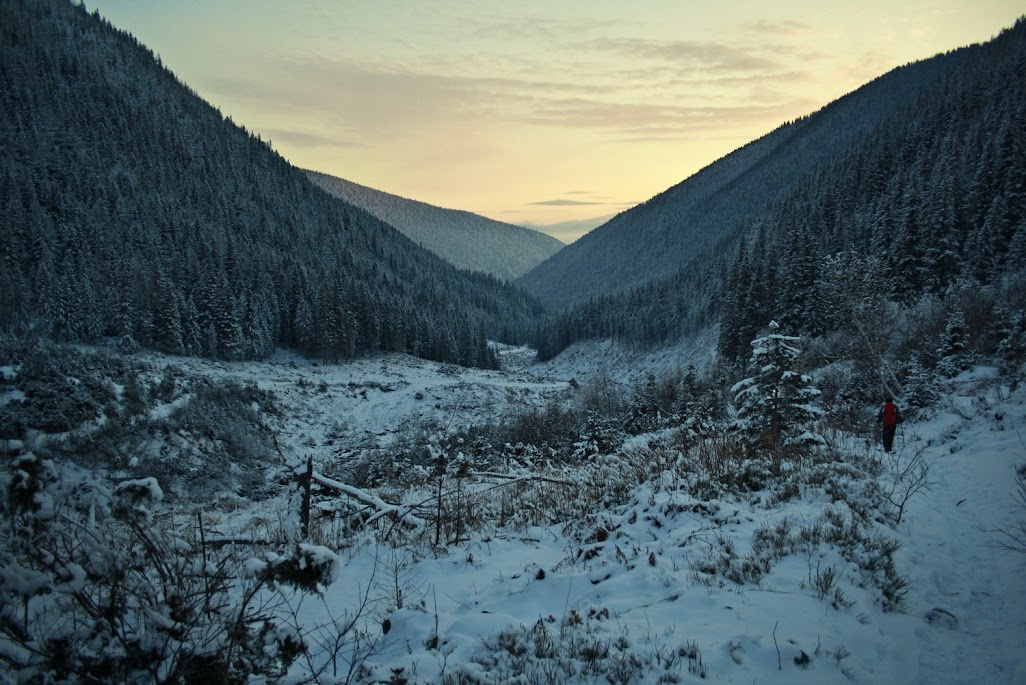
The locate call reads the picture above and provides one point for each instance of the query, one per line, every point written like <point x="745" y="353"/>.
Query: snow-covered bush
<point x="1012" y="339"/>
<point x="1013" y="537"/>
<point x="62" y="388"/>
<point x="203" y="435"/>
<point x="600" y="435"/>
<point x="849" y="396"/>
<point x="923" y="389"/>
<point x="96" y="587"/>
<point x="602" y="395"/>
<point x="675" y="398"/>
<point x="917" y="329"/>
<point x="577" y="648"/>
<point x="212" y="438"/>
<point x="977" y="306"/>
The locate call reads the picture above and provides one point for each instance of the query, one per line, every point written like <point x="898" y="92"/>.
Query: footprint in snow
<point x="941" y="617"/>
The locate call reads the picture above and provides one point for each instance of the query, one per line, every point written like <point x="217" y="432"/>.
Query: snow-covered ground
<point x="339" y="409"/>
<point x="633" y="596"/>
<point x="586" y="359"/>
<point x="963" y="618"/>
<point x="641" y="592"/>
<point x="952" y="550"/>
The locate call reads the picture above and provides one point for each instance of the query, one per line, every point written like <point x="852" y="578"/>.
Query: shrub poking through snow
<point x="578" y="649"/>
<point x="311" y="568"/>
<point x="97" y="581"/>
<point x="138" y="496"/>
<point x="1013" y="537"/>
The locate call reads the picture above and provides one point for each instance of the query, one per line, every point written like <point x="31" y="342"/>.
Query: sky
<point x="538" y="111"/>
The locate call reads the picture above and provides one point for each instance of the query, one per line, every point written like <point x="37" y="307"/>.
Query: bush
<point x="101" y="584"/>
<point x="93" y="582"/>
<point x="217" y="440"/>
<point x="63" y="388"/>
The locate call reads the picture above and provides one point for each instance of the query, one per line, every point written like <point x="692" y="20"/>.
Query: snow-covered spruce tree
<point x="1011" y="338"/>
<point x="922" y="387"/>
<point x="777" y="406"/>
<point x="953" y="354"/>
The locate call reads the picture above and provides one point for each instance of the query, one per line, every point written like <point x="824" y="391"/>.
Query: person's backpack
<point x="891" y="417"/>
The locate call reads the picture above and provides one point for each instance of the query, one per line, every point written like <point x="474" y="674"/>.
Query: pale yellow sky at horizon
<point x="534" y="112"/>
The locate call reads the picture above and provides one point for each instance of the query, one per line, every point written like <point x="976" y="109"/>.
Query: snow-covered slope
<point x="328" y="410"/>
<point x="667" y="560"/>
<point x="469" y="241"/>
<point x="645" y="589"/>
<point x="962" y="575"/>
<point x="637" y="600"/>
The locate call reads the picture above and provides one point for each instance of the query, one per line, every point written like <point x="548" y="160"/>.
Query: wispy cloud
<point x="563" y="202"/>
<point x="593" y="79"/>
<point x="535" y="28"/>
<point x="784" y="27"/>
<point x="591" y="194"/>
<point x="619" y="118"/>
<point x="690" y="54"/>
<point x="448" y="118"/>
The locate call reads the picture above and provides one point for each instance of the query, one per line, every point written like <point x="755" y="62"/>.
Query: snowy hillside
<point x="645" y="604"/>
<point x="662" y="556"/>
<point x="468" y="240"/>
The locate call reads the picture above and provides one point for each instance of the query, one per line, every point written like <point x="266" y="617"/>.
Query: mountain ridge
<point x="137" y="211"/>
<point x="467" y="240"/>
<point x="647" y="243"/>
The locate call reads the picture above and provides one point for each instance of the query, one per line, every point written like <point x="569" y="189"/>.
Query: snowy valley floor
<point x="638" y="594"/>
<point x="676" y="580"/>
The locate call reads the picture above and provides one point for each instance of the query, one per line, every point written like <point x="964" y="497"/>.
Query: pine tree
<point x="777" y="405"/>
<point x="303" y="326"/>
<point x="728" y="345"/>
<point x="1011" y="336"/>
<point x="953" y="353"/>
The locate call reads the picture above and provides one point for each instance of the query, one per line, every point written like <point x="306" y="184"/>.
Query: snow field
<point x="639" y="590"/>
<point x="662" y="578"/>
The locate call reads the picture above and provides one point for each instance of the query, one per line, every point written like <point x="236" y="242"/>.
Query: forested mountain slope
<point x="133" y="208"/>
<point x="465" y="239"/>
<point x="931" y="199"/>
<point x="681" y="227"/>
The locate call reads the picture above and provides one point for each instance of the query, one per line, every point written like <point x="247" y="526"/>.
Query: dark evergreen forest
<point x="931" y="204"/>
<point x="133" y="209"/>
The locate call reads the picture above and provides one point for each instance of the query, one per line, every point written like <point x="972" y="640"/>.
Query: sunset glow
<point x="534" y="112"/>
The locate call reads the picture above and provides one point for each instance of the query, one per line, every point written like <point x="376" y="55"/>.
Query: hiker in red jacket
<point x="888" y="417"/>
